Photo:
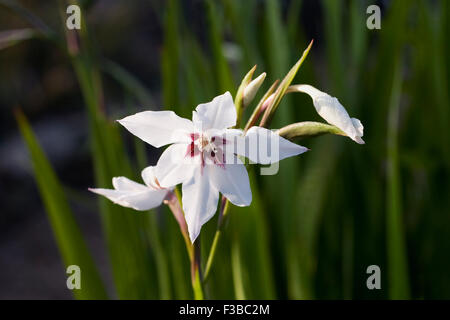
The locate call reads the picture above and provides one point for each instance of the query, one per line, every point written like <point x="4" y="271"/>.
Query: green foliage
<point x="67" y="233"/>
<point x="312" y="229"/>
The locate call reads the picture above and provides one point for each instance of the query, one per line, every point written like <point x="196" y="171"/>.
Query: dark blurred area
<point x="37" y="78"/>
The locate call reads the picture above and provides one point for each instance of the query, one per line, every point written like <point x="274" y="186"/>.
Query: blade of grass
<point x="242" y="17"/>
<point x="223" y="73"/>
<point x="170" y="57"/>
<point x="255" y="261"/>
<point x="32" y="19"/>
<point x="236" y="267"/>
<point x="133" y="271"/>
<point x="282" y="88"/>
<point x="396" y="248"/>
<point x="132" y="85"/>
<point x="12" y="37"/>
<point x="439" y="63"/>
<point x="283" y="184"/>
<point x="67" y="233"/>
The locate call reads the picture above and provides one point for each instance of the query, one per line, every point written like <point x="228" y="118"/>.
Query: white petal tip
<point x="242" y="203"/>
<point x="300" y="150"/>
<point x="192" y="238"/>
<point x="246" y="204"/>
<point x="358" y="140"/>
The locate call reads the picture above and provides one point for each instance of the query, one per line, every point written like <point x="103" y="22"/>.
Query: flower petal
<point x="174" y="166"/>
<point x="199" y="201"/>
<point x="220" y="113"/>
<point x="148" y="175"/>
<point x="333" y="112"/>
<point x="125" y="184"/>
<point x="233" y="182"/>
<point x="264" y="146"/>
<point x="131" y="194"/>
<point x="359" y="130"/>
<point x="158" y="128"/>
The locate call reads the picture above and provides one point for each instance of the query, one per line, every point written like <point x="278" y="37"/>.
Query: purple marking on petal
<point x="218" y="140"/>
<point x="216" y="156"/>
<point x="194" y="136"/>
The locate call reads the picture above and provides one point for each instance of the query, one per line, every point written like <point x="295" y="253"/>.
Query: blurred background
<point x="312" y="230"/>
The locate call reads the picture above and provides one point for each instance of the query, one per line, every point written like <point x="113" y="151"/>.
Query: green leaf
<point x="222" y="68"/>
<point x="129" y="82"/>
<point x="31" y="18"/>
<point x="250" y="250"/>
<point x="132" y="261"/>
<point x="67" y="233"/>
<point x="170" y="64"/>
<point x="281" y="90"/>
<point x="12" y="37"/>
<point x="396" y="248"/>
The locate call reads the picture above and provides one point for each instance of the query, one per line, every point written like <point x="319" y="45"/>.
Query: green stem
<point x="237" y="270"/>
<point x="173" y="202"/>
<point x="223" y="215"/>
<point x="196" y="274"/>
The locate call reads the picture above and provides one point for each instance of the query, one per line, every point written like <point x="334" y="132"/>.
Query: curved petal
<point x="333" y="112"/>
<point x="130" y="194"/>
<point x="199" y="201"/>
<point x="148" y="175"/>
<point x="174" y="166"/>
<point x="359" y="130"/>
<point x="233" y="182"/>
<point x="264" y="146"/>
<point x="158" y="128"/>
<point x="220" y="113"/>
<point x="125" y="184"/>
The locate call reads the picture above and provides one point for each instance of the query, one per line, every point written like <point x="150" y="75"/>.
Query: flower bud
<point x="308" y="129"/>
<point x="332" y="111"/>
<point x="253" y="87"/>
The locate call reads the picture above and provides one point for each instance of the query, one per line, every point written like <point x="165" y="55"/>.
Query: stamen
<point x="156" y="184"/>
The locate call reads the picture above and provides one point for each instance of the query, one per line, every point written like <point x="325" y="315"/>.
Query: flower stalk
<point x="223" y="216"/>
<point x="172" y="201"/>
<point x="196" y="274"/>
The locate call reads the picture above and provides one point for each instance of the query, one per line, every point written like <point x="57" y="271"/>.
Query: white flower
<point x="134" y="195"/>
<point x="203" y="155"/>
<point x="333" y="112"/>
